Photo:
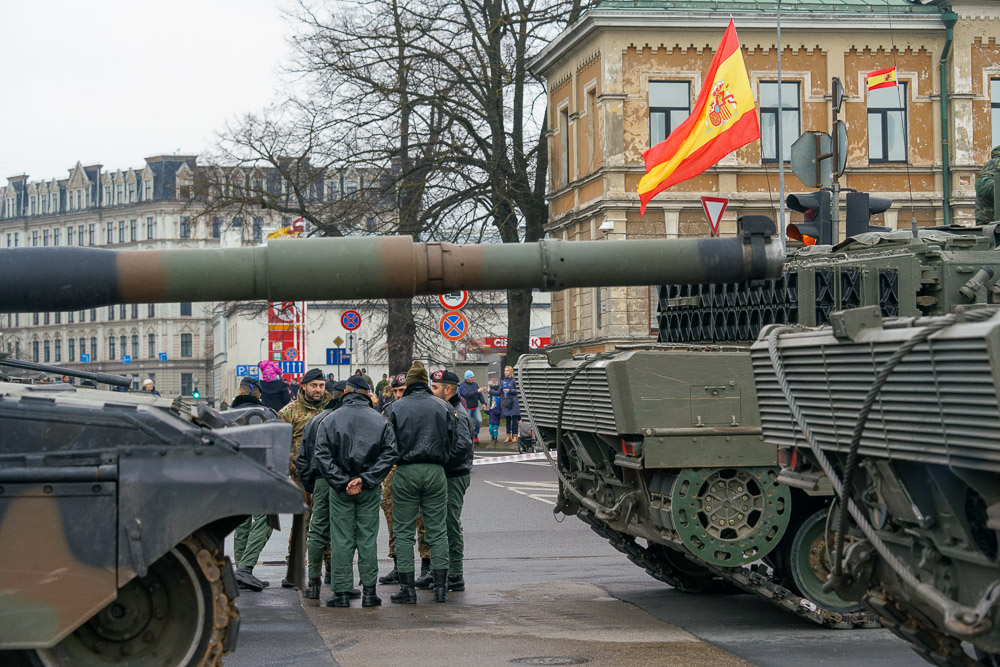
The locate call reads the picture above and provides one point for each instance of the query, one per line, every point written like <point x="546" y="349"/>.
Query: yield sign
<point x="453" y="325"/>
<point x="714" y="208"/>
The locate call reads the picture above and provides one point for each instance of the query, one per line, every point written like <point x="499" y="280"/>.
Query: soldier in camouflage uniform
<point x="398" y="385"/>
<point x="309" y="402"/>
<point x="984" y="189"/>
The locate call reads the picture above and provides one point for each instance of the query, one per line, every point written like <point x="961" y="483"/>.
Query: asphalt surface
<point x="540" y="591"/>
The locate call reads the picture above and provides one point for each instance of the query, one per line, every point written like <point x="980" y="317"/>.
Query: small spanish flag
<point x="723" y="119"/>
<point x="883" y="78"/>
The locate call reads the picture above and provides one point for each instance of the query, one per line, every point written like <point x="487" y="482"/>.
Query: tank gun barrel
<point x="69" y="278"/>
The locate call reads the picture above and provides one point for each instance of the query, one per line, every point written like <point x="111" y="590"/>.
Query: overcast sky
<point x="113" y="82"/>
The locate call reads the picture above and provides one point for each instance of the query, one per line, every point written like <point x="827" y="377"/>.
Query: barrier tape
<point x="491" y="460"/>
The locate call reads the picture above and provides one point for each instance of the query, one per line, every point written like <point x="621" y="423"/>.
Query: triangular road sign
<point x="714" y="208"/>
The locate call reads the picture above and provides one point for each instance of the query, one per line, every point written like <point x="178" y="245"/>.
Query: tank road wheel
<point x="180" y="613"/>
<point x="729" y="516"/>
<point x="809" y="563"/>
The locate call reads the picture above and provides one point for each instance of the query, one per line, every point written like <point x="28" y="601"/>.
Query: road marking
<point x="533" y="490"/>
<point x="514" y="458"/>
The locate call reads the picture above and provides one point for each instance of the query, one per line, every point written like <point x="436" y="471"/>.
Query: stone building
<point x="629" y="71"/>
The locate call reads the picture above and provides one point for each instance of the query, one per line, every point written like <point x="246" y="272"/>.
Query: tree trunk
<point x="518" y="324"/>
<point x="400" y="331"/>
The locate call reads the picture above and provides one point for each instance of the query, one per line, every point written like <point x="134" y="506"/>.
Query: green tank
<point x="691" y="447"/>
<point x="114" y="506"/>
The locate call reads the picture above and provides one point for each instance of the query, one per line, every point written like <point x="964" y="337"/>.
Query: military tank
<point x="671" y="451"/>
<point x="114" y="506"/>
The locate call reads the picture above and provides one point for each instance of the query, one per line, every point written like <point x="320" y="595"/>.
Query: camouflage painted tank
<point x="685" y="449"/>
<point x="113" y="507"/>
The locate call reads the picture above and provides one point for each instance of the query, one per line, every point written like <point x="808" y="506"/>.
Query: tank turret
<point x="65" y="278"/>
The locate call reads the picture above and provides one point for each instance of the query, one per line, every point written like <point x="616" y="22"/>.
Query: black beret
<point x="358" y="382"/>
<point x="250" y="382"/>
<point x="311" y="374"/>
<point x="399" y="381"/>
<point x="444" y="377"/>
<point x="340" y="386"/>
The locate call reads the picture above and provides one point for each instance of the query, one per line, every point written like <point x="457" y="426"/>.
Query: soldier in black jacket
<point x="444" y="384"/>
<point x="426" y="430"/>
<point x="354" y="450"/>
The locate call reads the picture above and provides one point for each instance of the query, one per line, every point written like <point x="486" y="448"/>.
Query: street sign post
<point x="350" y="320"/>
<point x="126" y="359"/>
<point x="812" y="159"/>
<point x="292" y="367"/>
<point x="163" y="356"/>
<point x="714" y="208"/>
<point x="454" y="300"/>
<point x="337" y="356"/>
<point x="453" y="326"/>
<point x="291" y="353"/>
<point x="84" y="358"/>
<point x="350" y="342"/>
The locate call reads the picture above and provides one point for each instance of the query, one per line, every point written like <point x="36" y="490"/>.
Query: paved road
<point x="539" y="588"/>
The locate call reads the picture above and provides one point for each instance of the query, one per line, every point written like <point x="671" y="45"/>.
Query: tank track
<point x="930" y="644"/>
<point x="744" y="578"/>
<point x="217" y="569"/>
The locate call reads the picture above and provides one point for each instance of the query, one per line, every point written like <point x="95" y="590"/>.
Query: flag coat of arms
<point x="883" y="78"/>
<point x="723" y="119"/>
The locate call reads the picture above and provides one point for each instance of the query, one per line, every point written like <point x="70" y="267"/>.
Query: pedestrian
<point x="494" y="410"/>
<point x="368" y="379"/>
<point x="249" y="393"/>
<point x="248" y="542"/>
<point x="398" y="386"/>
<point x="147" y="385"/>
<point x="330" y="382"/>
<point x="310" y="401"/>
<point x="355" y="449"/>
<point x="382" y="384"/>
<point x="985" y="188"/>
<point x="472" y="397"/>
<point x="274" y="391"/>
<point x="509" y="407"/>
<point x="457" y="472"/>
<point x="426" y="430"/>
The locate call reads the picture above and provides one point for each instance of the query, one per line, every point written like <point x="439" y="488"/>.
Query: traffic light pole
<point x="835" y="199"/>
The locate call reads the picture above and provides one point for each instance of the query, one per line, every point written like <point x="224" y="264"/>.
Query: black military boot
<point x="354" y="593"/>
<point x="246" y="580"/>
<point x="456" y="582"/>
<point x="425" y="579"/>
<point x="407" y="593"/>
<point x="326" y="572"/>
<point x="339" y="600"/>
<point x="392" y="577"/>
<point x="312" y="589"/>
<point x="440" y="585"/>
<point x="370" y="598"/>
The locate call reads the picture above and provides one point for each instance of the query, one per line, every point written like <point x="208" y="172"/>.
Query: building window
<point x="72" y="349"/>
<point x="216" y="227"/>
<point x="111" y="348"/>
<point x="131" y="192"/>
<point x="187" y="384"/>
<point x="90" y="235"/>
<point x="563" y="146"/>
<point x="151" y="310"/>
<point x="258" y="229"/>
<point x="121" y="231"/>
<point x="133" y="228"/>
<point x="185" y="227"/>
<point x="592" y="137"/>
<point x="34" y="351"/>
<point x="58" y="317"/>
<point x="34" y="239"/>
<point x="111" y="312"/>
<point x="93" y="348"/>
<point x="111" y="233"/>
<point x="83" y="348"/>
<point x="791" y="118"/>
<point x="135" y="345"/>
<point x="669" y="106"/>
<point x="152" y="346"/>
<point x="122" y="309"/>
<point x="124" y="342"/>
<point x="58" y="350"/>
<point x="149" y="229"/>
<point x="186" y="344"/>
<point x="887" y="124"/>
<point x="995" y="110"/>
<point x="69" y="236"/>
<point x="135" y="311"/>
<point x="69" y="316"/>
<point x="46" y="316"/>
<point x="45" y="345"/>
<point x="45" y="238"/>
<point x="55" y="237"/>
<point x="93" y="314"/>
<point x="35" y="318"/>
<point x="119" y="198"/>
<point x="185" y="309"/>
<point x="107" y="195"/>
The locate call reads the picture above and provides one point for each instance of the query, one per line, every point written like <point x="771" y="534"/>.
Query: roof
<point x="787" y="6"/>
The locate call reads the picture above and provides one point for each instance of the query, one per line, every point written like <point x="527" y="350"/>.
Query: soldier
<point x="984" y="189"/>
<point x="457" y="471"/>
<point x="426" y="430"/>
<point x="249" y="393"/>
<point x="355" y="449"/>
<point x="312" y="397"/>
<point x="398" y="385"/>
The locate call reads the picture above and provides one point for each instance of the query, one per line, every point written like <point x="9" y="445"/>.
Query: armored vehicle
<point x="676" y="445"/>
<point x="113" y="506"/>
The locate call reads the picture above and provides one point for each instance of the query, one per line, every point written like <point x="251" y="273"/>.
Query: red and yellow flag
<point x="883" y="78"/>
<point x="723" y="119"/>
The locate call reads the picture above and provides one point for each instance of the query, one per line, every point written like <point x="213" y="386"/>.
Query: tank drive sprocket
<point x="729" y="516"/>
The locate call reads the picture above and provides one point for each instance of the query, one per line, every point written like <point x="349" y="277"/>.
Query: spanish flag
<point x="724" y="119"/>
<point x="883" y="78"/>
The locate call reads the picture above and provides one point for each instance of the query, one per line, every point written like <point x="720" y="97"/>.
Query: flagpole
<point x="781" y="148"/>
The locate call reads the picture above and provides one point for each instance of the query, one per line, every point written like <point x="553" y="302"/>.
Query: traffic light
<point x="816" y="226"/>
<point x="196" y="394"/>
<point x="860" y="208"/>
